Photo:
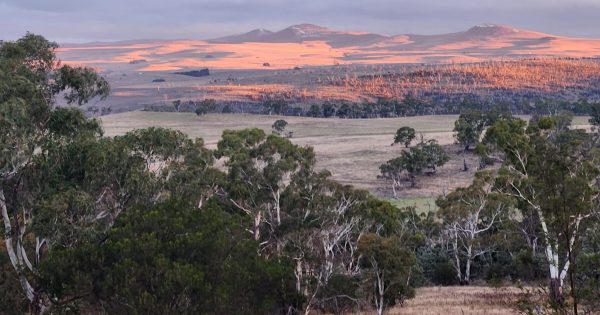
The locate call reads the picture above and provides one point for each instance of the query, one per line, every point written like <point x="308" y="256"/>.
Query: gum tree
<point x="31" y="129"/>
<point x="552" y="171"/>
<point x="405" y="135"/>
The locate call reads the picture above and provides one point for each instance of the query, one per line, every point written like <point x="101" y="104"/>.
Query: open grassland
<point x="471" y="300"/>
<point x="352" y="149"/>
<point x="422" y="204"/>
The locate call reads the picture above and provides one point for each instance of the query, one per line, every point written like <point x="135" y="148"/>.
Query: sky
<point x="69" y="21"/>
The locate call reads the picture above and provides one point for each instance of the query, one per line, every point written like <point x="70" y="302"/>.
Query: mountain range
<point x="310" y="32"/>
<point x="312" y="45"/>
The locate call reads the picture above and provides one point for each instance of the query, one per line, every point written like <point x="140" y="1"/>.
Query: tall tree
<point x="469" y="216"/>
<point x="387" y="267"/>
<point x="30" y="80"/>
<point x="552" y="170"/>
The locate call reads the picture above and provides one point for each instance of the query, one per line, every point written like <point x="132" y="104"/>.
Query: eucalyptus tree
<point x="469" y="127"/>
<point x="279" y="126"/>
<point x="387" y="267"/>
<point x="470" y="215"/>
<point x="427" y="155"/>
<point x="552" y="171"/>
<point x="30" y="80"/>
<point x="170" y="258"/>
<point x="62" y="184"/>
<point x="405" y="135"/>
<point x="260" y="169"/>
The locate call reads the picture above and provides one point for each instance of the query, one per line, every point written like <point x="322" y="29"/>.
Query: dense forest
<point x="153" y="222"/>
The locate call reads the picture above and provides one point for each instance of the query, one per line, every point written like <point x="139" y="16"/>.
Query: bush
<point x="437" y="267"/>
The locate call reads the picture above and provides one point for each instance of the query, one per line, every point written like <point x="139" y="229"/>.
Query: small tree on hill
<point x="177" y="105"/>
<point x="412" y="162"/>
<point x="279" y="126"/>
<point x="405" y="135"/>
<point x="469" y="127"/>
<point x="205" y="106"/>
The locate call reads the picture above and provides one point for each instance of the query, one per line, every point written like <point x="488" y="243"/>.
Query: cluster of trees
<point x="534" y="216"/>
<point x="550" y="170"/>
<point x="426" y="156"/>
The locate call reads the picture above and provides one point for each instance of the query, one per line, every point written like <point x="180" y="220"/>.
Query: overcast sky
<point x="107" y="20"/>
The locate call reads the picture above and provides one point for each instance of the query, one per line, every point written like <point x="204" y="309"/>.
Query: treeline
<point x="535" y="216"/>
<point x="382" y="108"/>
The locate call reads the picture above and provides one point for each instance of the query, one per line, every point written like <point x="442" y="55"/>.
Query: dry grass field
<point x="352" y="149"/>
<point x="472" y="300"/>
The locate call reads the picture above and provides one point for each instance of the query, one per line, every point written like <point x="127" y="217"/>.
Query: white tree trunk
<point x="15" y="255"/>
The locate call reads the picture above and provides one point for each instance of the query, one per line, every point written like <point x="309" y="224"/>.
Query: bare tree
<point x="468" y="213"/>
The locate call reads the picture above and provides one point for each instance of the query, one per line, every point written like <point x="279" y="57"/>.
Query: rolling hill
<point x="311" y="45"/>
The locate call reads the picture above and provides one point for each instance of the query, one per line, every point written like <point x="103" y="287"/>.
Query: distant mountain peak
<point x="309" y="26"/>
<point x="487" y="25"/>
<point x="259" y="32"/>
<point x="488" y="29"/>
<point x="309" y="30"/>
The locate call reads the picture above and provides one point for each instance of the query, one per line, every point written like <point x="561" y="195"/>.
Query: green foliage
<point x="552" y="171"/>
<point x="469" y="127"/>
<point x="10" y="303"/>
<point x="595" y="114"/>
<point x="341" y="295"/>
<point x="387" y="270"/>
<point x="405" y="135"/>
<point x="329" y="109"/>
<point x="412" y="162"/>
<point x="198" y="261"/>
<point x="279" y="126"/>
<point x="82" y="84"/>
<point x="205" y="106"/>
<point x="436" y="266"/>
<point x="276" y="106"/>
<point x="315" y="111"/>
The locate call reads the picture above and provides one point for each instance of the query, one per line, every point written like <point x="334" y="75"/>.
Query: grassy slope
<point x="352" y="149"/>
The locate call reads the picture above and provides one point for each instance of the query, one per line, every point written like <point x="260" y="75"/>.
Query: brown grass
<point x="352" y="149"/>
<point x="472" y="300"/>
